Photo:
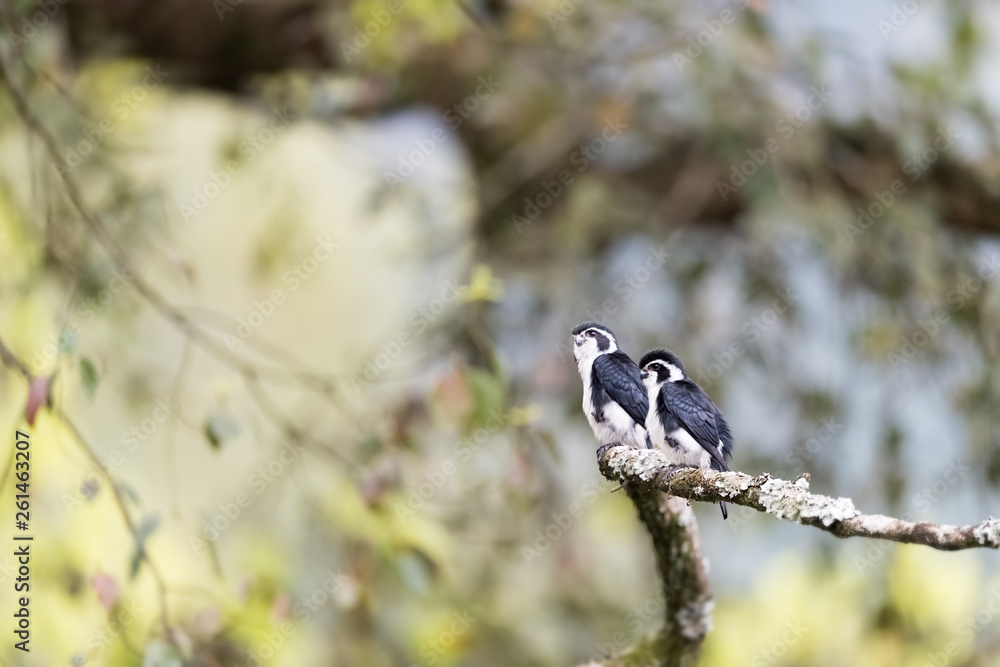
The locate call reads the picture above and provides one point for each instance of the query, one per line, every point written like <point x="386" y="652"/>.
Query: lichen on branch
<point x="791" y="501"/>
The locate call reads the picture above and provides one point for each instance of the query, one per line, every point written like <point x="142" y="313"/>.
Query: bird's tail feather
<point x="725" y="512"/>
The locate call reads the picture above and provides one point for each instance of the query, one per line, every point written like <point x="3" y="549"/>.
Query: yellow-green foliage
<point x="803" y="614"/>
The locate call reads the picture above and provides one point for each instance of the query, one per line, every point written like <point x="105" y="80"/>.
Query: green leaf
<point x="129" y="493"/>
<point x="484" y="286"/>
<point x="88" y="374"/>
<point x="219" y="428"/>
<point x="135" y="564"/>
<point x="416" y="569"/>
<point x="67" y="342"/>
<point x="148" y="526"/>
<point x="213" y="551"/>
<point x="489" y="394"/>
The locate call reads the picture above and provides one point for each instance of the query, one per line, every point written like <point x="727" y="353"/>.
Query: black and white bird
<point x="614" y="398"/>
<point x="682" y="420"/>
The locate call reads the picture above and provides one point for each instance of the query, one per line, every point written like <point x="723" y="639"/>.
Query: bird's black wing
<point x="619" y="376"/>
<point x="726" y="436"/>
<point x="696" y="412"/>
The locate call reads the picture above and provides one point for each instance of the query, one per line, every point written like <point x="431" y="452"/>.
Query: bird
<point x="682" y="420"/>
<point x="614" y="398"/>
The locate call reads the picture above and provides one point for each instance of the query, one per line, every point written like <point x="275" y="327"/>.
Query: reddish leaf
<point x="454" y="395"/>
<point x="37" y="393"/>
<point x="280" y="607"/>
<point x="107" y="590"/>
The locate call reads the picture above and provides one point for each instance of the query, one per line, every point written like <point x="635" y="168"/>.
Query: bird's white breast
<point x="679" y="447"/>
<point x="616" y="426"/>
<point x="687" y="450"/>
<point x="586" y="366"/>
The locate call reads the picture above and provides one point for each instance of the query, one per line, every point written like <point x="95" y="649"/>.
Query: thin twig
<point x="121" y="260"/>
<point x="8" y="359"/>
<point x="11" y="361"/>
<point x="142" y="551"/>
<point x="170" y="444"/>
<point x="290" y="430"/>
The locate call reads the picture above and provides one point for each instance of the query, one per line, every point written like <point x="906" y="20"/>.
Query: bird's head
<point x="659" y="366"/>
<point x="591" y="340"/>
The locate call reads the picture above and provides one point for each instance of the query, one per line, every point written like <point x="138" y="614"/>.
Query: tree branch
<point x="791" y="501"/>
<point x="10" y="360"/>
<point x="646" y="476"/>
<point x="682" y="568"/>
<point x="122" y="261"/>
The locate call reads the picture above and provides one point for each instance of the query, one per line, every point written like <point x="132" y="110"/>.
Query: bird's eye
<point x="591" y="333"/>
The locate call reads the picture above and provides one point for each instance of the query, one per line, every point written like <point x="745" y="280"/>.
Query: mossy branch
<point x="791" y="501"/>
<point x="647" y="476"/>
<point x="683" y="573"/>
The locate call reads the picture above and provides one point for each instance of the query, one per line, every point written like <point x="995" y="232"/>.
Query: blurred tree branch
<point x="681" y="565"/>
<point x="682" y="568"/>
<point x="647" y="476"/>
<point x="11" y="361"/>
<point x="251" y="373"/>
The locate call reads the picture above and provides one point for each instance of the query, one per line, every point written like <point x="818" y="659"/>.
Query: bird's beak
<point x="578" y="339"/>
<point x="644" y="374"/>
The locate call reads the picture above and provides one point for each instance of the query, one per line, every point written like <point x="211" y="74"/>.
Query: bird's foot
<point x="674" y="469"/>
<point x="603" y="448"/>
